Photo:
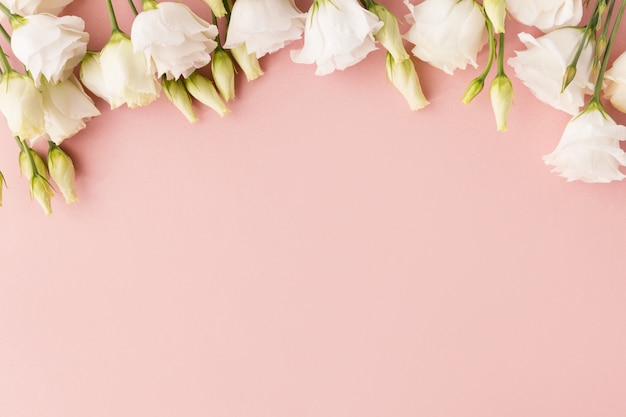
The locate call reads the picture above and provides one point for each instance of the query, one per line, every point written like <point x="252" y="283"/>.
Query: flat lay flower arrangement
<point x="49" y="77"/>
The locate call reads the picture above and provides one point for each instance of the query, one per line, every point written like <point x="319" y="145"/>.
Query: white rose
<point x="28" y="7"/>
<point x="543" y="64"/>
<point x="264" y="26"/>
<point x="546" y="14"/>
<point x="120" y="75"/>
<point x="66" y="109"/>
<point x="176" y="39"/>
<point x="447" y="34"/>
<point x="338" y="34"/>
<point x="50" y="46"/>
<point x="615" y="89"/>
<point x="22" y="105"/>
<point x="589" y="148"/>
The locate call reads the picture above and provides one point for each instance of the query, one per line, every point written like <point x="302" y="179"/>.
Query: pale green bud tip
<point x="203" y="90"/>
<point x="41" y="190"/>
<point x="496" y="11"/>
<point x="404" y="77"/>
<point x="217" y="7"/>
<point x="176" y="92"/>
<point x="389" y="35"/>
<point x="224" y="74"/>
<point x="570" y="73"/>
<point x="26" y="164"/>
<point x="473" y="89"/>
<point x="601" y="45"/>
<point x="62" y="172"/>
<point x="249" y="63"/>
<point x="501" y="92"/>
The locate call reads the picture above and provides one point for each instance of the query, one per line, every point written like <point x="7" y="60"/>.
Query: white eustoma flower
<point x="50" y="46"/>
<point x="120" y="75"/>
<point x="543" y="64"/>
<point x="22" y="105"/>
<point x="29" y="7"/>
<point x="175" y="38"/>
<point x="338" y="34"/>
<point x="589" y="149"/>
<point x="264" y="26"/>
<point x="447" y="34"/>
<point x="66" y="109"/>
<point x="615" y="89"/>
<point x="546" y="14"/>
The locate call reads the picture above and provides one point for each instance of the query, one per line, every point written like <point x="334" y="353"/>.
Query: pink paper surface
<point x="321" y="251"/>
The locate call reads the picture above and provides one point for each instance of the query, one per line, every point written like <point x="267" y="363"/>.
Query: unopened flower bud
<point x="496" y="11"/>
<point x="224" y="74"/>
<point x="41" y="190"/>
<point x="473" y="89"/>
<point x="217" y="7"/>
<point x="601" y="9"/>
<point x="26" y="164"/>
<point x="601" y="45"/>
<point x="248" y="62"/>
<point x="501" y="92"/>
<point x="404" y="77"/>
<point x="570" y="74"/>
<point x="176" y="92"/>
<point x="61" y="170"/>
<point x="389" y="35"/>
<point x="203" y="90"/>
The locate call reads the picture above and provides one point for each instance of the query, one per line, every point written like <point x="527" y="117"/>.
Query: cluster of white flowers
<point x="168" y="46"/>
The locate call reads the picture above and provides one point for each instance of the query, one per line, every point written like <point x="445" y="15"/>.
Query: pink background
<point x="322" y="251"/>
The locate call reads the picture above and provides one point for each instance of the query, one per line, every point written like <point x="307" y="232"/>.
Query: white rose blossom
<point x="264" y="26"/>
<point x="29" y="7"/>
<point x="66" y="109"/>
<point x="22" y="105"/>
<point x="615" y="89"/>
<point x="589" y="149"/>
<point x="174" y="38"/>
<point x="546" y="14"/>
<point x="448" y="34"/>
<point x="338" y="34"/>
<point x="120" y="75"/>
<point x="543" y="64"/>
<point x="49" y="46"/>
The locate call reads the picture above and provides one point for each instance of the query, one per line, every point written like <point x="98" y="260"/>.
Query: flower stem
<point x="501" y="54"/>
<point x="112" y="18"/>
<point x="217" y="38"/>
<point x="492" y="45"/>
<point x="4" y="9"/>
<point x="5" y="61"/>
<point x="605" y="59"/>
<point x="132" y="7"/>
